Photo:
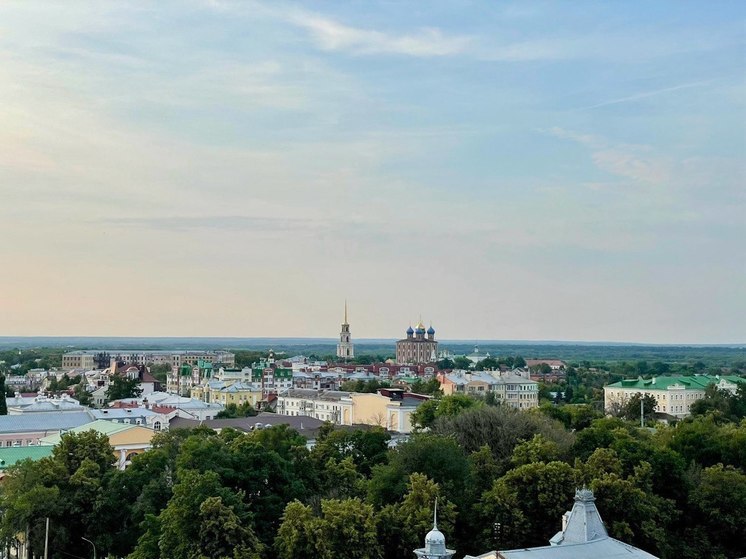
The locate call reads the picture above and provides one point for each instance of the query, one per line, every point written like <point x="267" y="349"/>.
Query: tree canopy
<point x="502" y="478"/>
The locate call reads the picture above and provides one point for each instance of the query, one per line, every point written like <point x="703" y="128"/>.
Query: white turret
<point x="435" y="542"/>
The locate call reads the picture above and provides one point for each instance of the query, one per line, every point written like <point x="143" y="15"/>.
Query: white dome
<point x="435" y="542"/>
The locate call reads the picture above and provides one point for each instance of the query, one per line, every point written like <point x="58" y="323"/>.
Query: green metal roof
<point x="694" y="382"/>
<point x="11" y="455"/>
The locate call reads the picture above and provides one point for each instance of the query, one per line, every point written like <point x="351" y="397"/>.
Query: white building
<point x="674" y="395"/>
<point x="326" y="405"/>
<point x="582" y="536"/>
<point x="514" y="388"/>
<point x="92" y="359"/>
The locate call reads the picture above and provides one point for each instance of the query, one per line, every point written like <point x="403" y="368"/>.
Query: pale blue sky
<point x="524" y="170"/>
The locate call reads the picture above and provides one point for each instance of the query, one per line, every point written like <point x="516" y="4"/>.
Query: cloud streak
<point x="647" y="94"/>
<point x="331" y="35"/>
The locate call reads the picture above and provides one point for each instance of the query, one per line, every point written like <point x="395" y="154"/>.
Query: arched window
<point x="157" y="425"/>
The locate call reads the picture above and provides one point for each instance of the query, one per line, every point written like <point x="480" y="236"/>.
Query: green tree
<point x="82" y="395"/>
<point x="366" y="448"/>
<point x="233" y="411"/>
<point x="345" y="529"/>
<point x="431" y="387"/>
<point x="222" y="534"/>
<point x="193" y="517"/>
<point x="501" y="428"/>
<point x="527" y="503"/>
<point x="122" y="387"/>
<point x="461" y="362"/>
<point x="63" y="487"/>
<point x="3" y="403"/>
<point x="439" y="458"/>
<point x="447" y="406"/>
<point x="487" y="364"/>
<point x="424" y="416"/>
<point x="402" y="526"/>
<point x="633" y="512"/>
<point x="445" y="364"/>
<point x="537" y="449"/>
<point x="632" y="407"/>
<point x="718" y="507"/>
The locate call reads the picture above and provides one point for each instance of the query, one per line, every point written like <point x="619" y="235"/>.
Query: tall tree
<point x="402" y="526"/>
<point x="3" y="402"/>
<point x="122" y="387"/>
<point x="632" y="407"/>
<point x="345" y="529"/>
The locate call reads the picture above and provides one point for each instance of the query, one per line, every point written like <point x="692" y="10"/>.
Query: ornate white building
<point x="583" y="536"/>
<point x="345" y="349"/>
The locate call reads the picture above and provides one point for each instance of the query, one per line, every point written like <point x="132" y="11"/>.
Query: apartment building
<point x="513" y="388"/>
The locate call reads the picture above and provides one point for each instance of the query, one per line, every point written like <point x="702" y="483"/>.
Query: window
<point x="157" y="425"/>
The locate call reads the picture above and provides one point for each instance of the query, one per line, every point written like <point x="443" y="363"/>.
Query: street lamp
<point x="93" y="544"/>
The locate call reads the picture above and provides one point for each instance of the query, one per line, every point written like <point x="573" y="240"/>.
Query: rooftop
<point x="44" y="421"/>
<point x="694" y="382"/>
<point x="102" y="426"/>
<point x="310" y="394"/>
<point x="9" y="456"/>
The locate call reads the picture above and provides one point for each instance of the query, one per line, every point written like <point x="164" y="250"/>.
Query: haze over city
<point x="563" y="171"/>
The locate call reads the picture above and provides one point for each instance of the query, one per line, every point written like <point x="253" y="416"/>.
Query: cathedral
<point x="345" y="349"/>
<point x="418" y="347"/>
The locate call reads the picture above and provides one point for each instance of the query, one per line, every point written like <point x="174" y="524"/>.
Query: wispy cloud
<point x="220" y="222"/>
<point x="646" y="94"/>
<point x="623" y="160"/>
<point x="331" y="35"/>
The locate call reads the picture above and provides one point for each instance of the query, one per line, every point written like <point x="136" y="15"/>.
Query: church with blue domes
<point x="418" y="347"/>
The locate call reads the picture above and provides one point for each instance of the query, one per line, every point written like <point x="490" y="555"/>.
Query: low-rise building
<point x="674" y="395"/>
<point x="40" y="404"/>
<point x="513" y="388"/>
<point x="27" y="429"/>
<point x="554" y="364"/>
<point x="126" y="440"/>
<point x="227" y="392"/>
<point x="99" y="359"/>
<point x="583" y="536"/>
<point x="165" y="404"/>
<point x="326" y="405"/>
<point x="390" y="408"/>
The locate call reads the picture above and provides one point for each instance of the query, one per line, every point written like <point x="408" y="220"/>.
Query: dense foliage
<point x="503" y="479"/>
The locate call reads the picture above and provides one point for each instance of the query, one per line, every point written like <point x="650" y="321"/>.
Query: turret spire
<point x="435" y="515"/>
<point x="345" y="311"/>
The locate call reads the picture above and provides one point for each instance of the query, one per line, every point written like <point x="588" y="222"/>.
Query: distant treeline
<point x="579" y="354"/>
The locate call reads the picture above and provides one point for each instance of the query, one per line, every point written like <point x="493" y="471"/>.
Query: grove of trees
<point x="503" y="479"/>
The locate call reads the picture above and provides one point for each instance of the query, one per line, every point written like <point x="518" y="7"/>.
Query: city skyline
<point x="544" y="171"/>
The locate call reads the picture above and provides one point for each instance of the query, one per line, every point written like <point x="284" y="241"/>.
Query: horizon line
<point x="332" y="340"/>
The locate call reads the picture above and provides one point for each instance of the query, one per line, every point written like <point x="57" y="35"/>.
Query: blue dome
<point x="410" y="331"/>
<point x="431" y="331"/>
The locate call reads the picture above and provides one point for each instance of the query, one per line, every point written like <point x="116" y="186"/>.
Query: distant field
<point x="571" y="351"/>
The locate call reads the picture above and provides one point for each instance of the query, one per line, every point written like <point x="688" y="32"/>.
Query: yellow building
<point x="127" y="440"/>
<point x="227" y="392"/>
<point x="390" y="408"/>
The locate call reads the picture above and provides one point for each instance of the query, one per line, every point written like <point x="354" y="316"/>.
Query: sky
<point x="503" y="170"/>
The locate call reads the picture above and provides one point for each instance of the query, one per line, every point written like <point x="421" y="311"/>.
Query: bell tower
<point x="345" y="349"/>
